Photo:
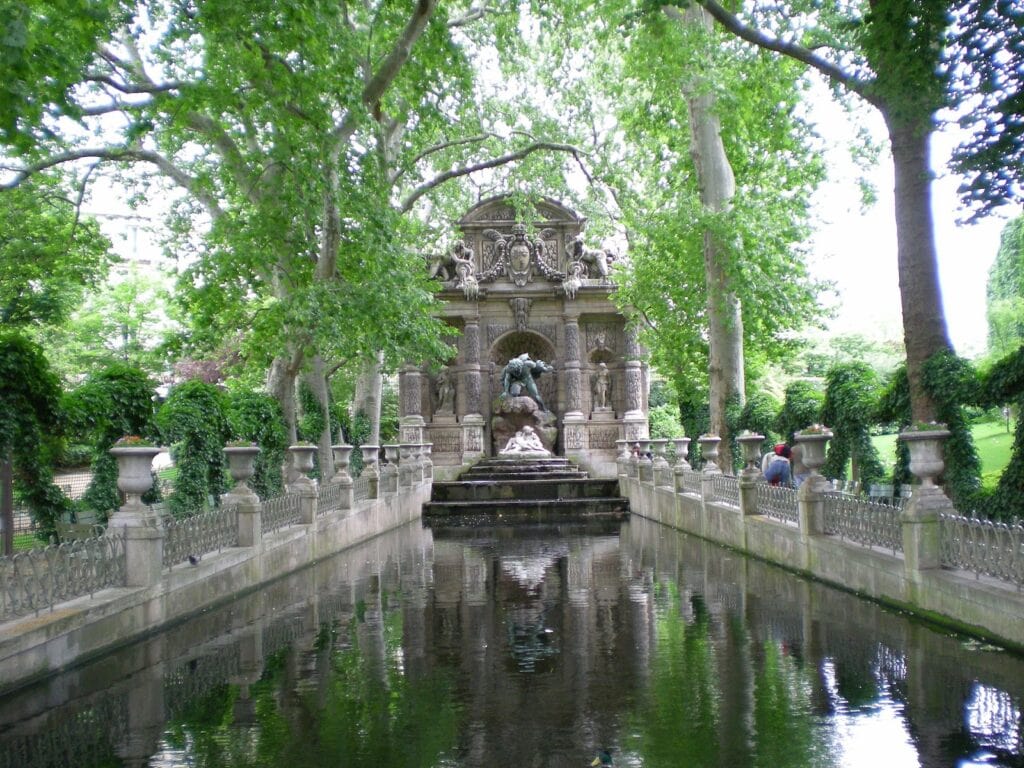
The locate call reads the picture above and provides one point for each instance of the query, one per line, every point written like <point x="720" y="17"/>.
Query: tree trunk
<point x="369" y="389"/>
<point x="924" y="322"/>
<point x="717" y="187"/>
<point x="7" y="507"/>
<point x="316" y="380"/>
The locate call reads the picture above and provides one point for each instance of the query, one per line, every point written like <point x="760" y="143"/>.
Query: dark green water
<point x="527" y="647"/>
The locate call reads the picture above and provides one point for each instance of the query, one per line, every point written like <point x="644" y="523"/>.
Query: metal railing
<point x="984" y="547"/>
<point x="361" y="488"/>
<point x="692" y="481"/>
<point x="280" y="512"/>
<point x="725" y="489"/>
<point x="328" y="498"/>
<point x="38" y="579"/>
<point x="778" y="502"/>
<point x="870" y="523"/>
<point x="194" y="536"/>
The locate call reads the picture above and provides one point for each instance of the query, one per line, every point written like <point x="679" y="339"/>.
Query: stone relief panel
<point x="603" y="437"/>
<point x="446" y="440"/>
<point x="574" y="437"/>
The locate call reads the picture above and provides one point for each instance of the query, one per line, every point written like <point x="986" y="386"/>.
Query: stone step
<point x="547" y="510"/>
<point x="504" y="477"/>
<point x="553" y="489"/>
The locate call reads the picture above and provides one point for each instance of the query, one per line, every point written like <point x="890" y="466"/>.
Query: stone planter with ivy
<point x="241" y="458"/>
<point x="920" y="517"/>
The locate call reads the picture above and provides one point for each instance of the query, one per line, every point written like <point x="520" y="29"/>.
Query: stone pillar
<point x="634" y="419"/>
<point x="389" y="472"/>
<point x="709" y="455"/>
<point x="473" y="422"/>
<point x="142" y="529"/>
<point x="645" y="466"/>
<point x="662" y="469"/>
<point x="405" y="457"/>
<point x="682" y="465"/>
<point x="370" y="470"/>
<point x="342" y="454"/>
<point x="810" y="498"/>
<point x="573" y="429"/>
<point x="920" y="519"/>
<point x="304" y="485"/>
<point x="750" y="475"/>
<point x="410" y="390"/>
<point x="428" y="464"/>
<point x="243" y="498"/>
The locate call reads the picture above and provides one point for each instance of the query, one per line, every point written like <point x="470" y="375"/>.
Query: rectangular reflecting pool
<point x="529" y="646"/>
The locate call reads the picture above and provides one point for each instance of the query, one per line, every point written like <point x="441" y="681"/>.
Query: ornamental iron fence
<point x="328" y="498"/>
<point x="692" y="481"/>
<point x="361" y="489"/>
<point x="983" y="547"/>
<point x="281" y="512"/>
<point x="725" y="489"/>
<point x="870" y="523"/>
<point x="778" y="502"/>
<point x="194" y="536"/>
<point x="39" y="579"/>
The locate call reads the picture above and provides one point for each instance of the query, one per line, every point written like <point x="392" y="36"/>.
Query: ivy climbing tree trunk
<point x="367" y="400"/>
<point x="924" y="323"/>
<point x="316" y="380"/>
<point x="717" y="186"/>
<point x="7" y="506"/>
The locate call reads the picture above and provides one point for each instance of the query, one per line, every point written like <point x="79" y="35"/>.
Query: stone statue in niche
<point x="525" y="441"/>
<point x="445" y="393"/>
<point x="595" y="261"/>
<point x="602" y="387"/>
<point x="521" y="373"/>
<point x="520" y="312"/>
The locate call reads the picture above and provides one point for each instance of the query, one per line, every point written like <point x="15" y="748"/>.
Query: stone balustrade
<point x="919" y="555"/>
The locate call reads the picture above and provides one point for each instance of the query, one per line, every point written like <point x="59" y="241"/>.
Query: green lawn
<point x="991" y="440"/>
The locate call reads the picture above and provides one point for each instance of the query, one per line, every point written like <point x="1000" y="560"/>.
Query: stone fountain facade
<point x="510" y="289"/>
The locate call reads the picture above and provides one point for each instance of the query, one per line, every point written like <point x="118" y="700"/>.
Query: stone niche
<point x="527" y="283"/>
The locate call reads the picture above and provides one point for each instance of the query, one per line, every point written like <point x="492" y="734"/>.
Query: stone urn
<point x="682" y="449"/>
<point x="750" y="446"/>
<point x="660" y="447"/>
<point x="623" y="450"/>
<point x="813" y="441"/>
<point x="926" y="457"/>
<point x="241" y="465"/>
<point x="302" y="458"/>
<point x="134" y="471"/>
<point x="342" y="455"/>
<point x="709" y="452"/>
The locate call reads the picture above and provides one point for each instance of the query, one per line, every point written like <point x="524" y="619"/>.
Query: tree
<point x="715" y="213"/>
<point x="888" y="53"/>
<point x="49" y="255"/>
<point x="1005" y="294"/>
<point x="302" y="135"/>
<point x="29" y="398"/>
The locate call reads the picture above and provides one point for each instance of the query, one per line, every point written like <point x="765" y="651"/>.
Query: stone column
<point x="389" y="471"/>
<point x="645" y="466"/>
<point x="662" y="469"/>
<point x="370" y="470"/>
<point x="243" y="498"/>
<point x="634" y="418"/>
<point x="573" y="430"/>
<point x="410" y="390"/>
<point x="709" y="455"/>
<point x="140" y="526"/>
<point x="682" y="465"/>
<point x="342" y="454"/>
<point x="922" y="531"/>
<point x="750" y="475"/>
<point x="473" y="421"/>
<point x="810" y="498"/>
<point x="304" y="485"/>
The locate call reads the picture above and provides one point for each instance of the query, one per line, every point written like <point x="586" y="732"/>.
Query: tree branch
<point x="119" y="154"/>
<point x="385" y="74"/>
<point x="495" y="162"/>
<point x="733" y="24"/>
